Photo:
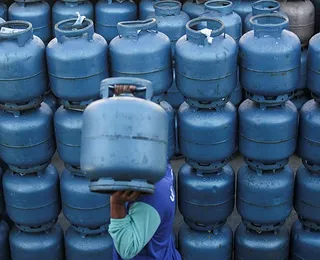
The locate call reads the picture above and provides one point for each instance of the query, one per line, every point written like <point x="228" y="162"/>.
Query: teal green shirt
<point x="132" y="233"/>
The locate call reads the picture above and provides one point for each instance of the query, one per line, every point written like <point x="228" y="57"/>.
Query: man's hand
<point x="119" y="89"/>
<point x="118" y="201"/>
<point x="121" y="197"/>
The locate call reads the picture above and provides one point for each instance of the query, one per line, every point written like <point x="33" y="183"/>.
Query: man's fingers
<point x="119" y="89"/>
<point x="134" y="196"/>
<point x="127" y="193"/>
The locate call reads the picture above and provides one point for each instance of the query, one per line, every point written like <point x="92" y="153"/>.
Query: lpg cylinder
<point x="309" y="133"/>
<point x="171" y="128"/>
<point x="67" y="125"/>
<point x="43" y="245"/>
<point x="305" y="242"/>
<point x="222" y="10"/>
<point x="83" y="247"/>
<point x="146" y="8"/>
<point x="170" y="20"/>
<point x="303" y="69"/>
<point x="66" y="9"/>
<point x="33" y="199"/>
<point x="193" y="8"/>
<point x="22" y="63"/>
<point x="206" y="199"/>
<point x="313" y="66"/>
<point x="75" y="75"/>
<point x="236" y="95"/>
<point x="302" y="95"/>
<point x="205" y="245"/>
<point x="301" y="14"/>
<point x="124" y="139"/>
<point x="264" y="199"/>
<point x="109" y="12"/>
<point x="27" y="138"/>
<point x="2" y="206"/>
<point x="261" y="7"/>
<point x="3" y="11"/>
<point x="37" y="12"/>
<point x="307" y="190"/>
<point x="132" y="54"/>
<point x="242" y="8"/>
<point x="267" y="136"/>
<point x="51" y="101"/>
<point x="206" y="63"/>
<point x="173" y="96"/>
<point x="88" y="212"/>
<point x="269" y="73"/>
<point x="251" y="245"/>
<point x="4" y="241"/>
<point x="207" y="137"/>
<point x="316" y="4"/>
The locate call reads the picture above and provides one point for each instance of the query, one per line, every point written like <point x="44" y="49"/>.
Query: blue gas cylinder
<point x="173" y="96"/>
<point x="127" y="152"/>
<point x="193" y="8"/>
<point x="4" y="241"/>
<point x="268" y="73"/>
<point x="251" y="245"/>
<point x="43" y="245"/>
<point x="35" y="146"/>
<point x="2" y="21"/>
<point x="88" y="212"/>
<point x="303" y="68"/>
<point x="206" y="199"/>
<point x="205" y="245"/>
<point x="66" y="9"/>
<point x="305" y="242"/>
<point x="3" y="11"/>
<point x="37" y="12"/>
<point x="171" y="127"/>
<point x="265" y="199"/>
<point x="146" y="8"/>
<point x="85" y="247"/>
<point x="51" y="101"/>
<point x="207" y="137"/>
<point x="206" y="65"/>
<point x="222" y="10"/>
<point x="171" y="20"/>
<point x="75" y="75"/>
<point x="267" y="136"/>
<point x="22" y="64"/>
<point x="313" y="66"/>
<point x="109" y="12"/>
<point x="33" y="199"/>
<point x="261" y="7"/>
<point x="67" y="125"/>
<point x="309" y="133"/>
<point x="307" y="191"/>
<point x="242" y="8"/>
<point x="236" y="95"/>
<point x="131" y="54"/>
<point x="2" y="205"/>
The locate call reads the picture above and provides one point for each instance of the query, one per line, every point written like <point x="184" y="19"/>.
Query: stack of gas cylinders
<point x="31" y="183"/>
<point x="88" y="212"/>
<point x="172" y="22"/>
<point x="207" y="124"/>
<point x="305" y="232"/>
<point x="132" y="54"/>
<point x="268" y="125"/>
<point x="302" y="23"/>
